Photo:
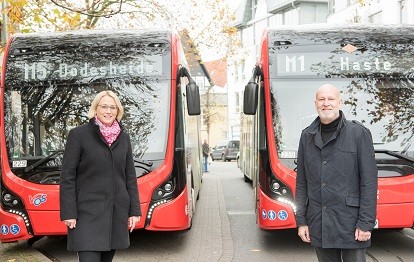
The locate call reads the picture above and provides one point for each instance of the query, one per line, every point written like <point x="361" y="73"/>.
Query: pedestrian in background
<point x="98" y="186"/>
<point x="206" y="152"/>
<point x="336" y="185"/>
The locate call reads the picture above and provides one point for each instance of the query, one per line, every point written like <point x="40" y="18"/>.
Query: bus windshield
<point x="375" y="80"/>
<point x="50" y="84"/>
<point x="384" y="106"/>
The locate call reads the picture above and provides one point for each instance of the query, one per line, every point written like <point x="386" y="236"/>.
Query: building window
<point x="254" y="8"/>
<point x="243" y="68"/>
<point x="236" y="71"/>
<point x="237" y="102"/>
<point x="331" y="6"/>
<point x="200" y="82"/>
<point x="376" y="18"/>
<point x="403" y="11"/>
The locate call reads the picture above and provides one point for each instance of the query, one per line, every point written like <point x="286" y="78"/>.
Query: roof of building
<point x="217" y="70"/>
<point x="196" y="67"/>
<point x="243" y="14"/>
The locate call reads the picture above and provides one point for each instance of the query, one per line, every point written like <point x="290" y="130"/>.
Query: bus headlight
<point x="168" y="187"/>
<point x="164" y="191"/>
<point x="9" y="200"/>
<point x="7" y="197"/>
<point x="275" y="185"/>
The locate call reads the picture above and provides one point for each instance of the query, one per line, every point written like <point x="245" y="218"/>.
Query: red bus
<point x="374" y="69"/>
<point x="48" y="82"/>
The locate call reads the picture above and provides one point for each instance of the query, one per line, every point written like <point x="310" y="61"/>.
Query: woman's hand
<point x="132" y="221"/>
<point x="71" y="223"/>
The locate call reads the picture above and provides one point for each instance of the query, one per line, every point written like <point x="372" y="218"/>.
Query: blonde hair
<point x="95" y="102"/>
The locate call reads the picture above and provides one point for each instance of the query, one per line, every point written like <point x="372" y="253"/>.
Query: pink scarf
<point x="110" y="133"/>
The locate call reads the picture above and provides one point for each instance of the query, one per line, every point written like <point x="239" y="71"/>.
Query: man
<point x="206" y="151"/>
<point x="336" y="185"/>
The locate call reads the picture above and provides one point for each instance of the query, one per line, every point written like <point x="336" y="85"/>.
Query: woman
<point x="98" y="187"/>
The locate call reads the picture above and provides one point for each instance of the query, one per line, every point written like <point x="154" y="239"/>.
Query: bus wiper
<point x="43" y="160"/>
<point x="395" y="154"/>
<point x="144" y="164"/>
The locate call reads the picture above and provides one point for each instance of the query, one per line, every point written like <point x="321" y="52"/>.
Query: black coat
<point x="336" y="185"/>
<point x="98" y="187"/>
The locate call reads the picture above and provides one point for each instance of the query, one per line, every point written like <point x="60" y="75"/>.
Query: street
<point x="224" y="229"/>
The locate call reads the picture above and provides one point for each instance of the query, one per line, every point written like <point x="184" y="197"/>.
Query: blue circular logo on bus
<point x="4" y="229"/>
<point x="282" y="215"/>
<point x="264" y="214"/>
<point x="14" y="229"/>
<point x="271" y="214"/>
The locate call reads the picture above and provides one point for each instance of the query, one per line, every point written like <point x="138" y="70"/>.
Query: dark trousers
<point x="96" y="256"/>
<point x="339" y="255"/>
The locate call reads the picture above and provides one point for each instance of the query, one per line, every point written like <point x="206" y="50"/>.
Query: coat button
<point x="324" y="208"/>
<point x="324" y="162"/>
<point x="323" y="184"/>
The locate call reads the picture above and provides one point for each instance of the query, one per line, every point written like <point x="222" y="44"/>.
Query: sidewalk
<point x="20" y="252"/>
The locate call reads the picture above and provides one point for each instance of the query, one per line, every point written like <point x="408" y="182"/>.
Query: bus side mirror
<point x="250" y="98"/>
<point x="193" y="99"/>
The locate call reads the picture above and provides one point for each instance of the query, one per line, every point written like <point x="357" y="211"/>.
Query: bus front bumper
<point x="12" y="227"/>
<point x="273" y="214"/>
<point x="172" y="216"/>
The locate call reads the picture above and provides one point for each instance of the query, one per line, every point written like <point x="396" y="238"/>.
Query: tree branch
<point x="93" y="13"/>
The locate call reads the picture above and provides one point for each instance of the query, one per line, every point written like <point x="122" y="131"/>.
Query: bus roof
<point x="95" y="35"/>
<point x="334" y="34"/>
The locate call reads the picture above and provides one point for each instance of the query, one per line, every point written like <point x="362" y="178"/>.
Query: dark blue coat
<point x="336" y="185"/>
<point x="98" y="187"/>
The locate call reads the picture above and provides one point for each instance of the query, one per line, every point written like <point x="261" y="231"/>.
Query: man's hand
<point x="361" y="235"/>
<point x="71" y="223"/>
<point x="303" y="232"/>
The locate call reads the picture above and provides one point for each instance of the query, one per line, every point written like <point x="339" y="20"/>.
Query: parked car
<point x="217" y="151"/>
<point x="225" y="150"/>
<point x="231" y="150"/>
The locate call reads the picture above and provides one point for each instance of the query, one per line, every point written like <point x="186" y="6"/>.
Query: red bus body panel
<point x="395" y="207"/>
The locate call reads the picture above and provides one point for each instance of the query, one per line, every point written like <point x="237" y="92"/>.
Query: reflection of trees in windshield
<point x="391" y="102"/>
<point x="277" y="119"/>
<point x="140" y="100"/>
<point x="390" y="87"/>
<point x="38" y="119"/>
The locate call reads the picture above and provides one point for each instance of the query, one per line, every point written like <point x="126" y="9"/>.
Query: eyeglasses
<point x="106" y="107"/>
